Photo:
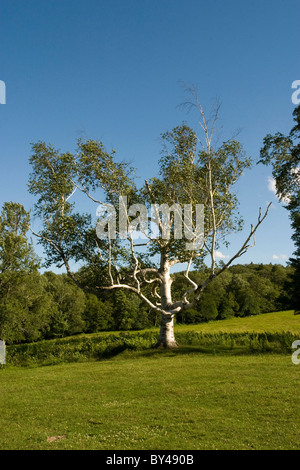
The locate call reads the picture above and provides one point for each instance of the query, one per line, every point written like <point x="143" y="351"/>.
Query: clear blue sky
<point x="111" y="70"/>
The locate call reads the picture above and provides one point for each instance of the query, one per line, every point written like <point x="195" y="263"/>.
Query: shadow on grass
<point x="109" y="353"/>
<point x="183" y="350"/>
<point x="133" y="351"/>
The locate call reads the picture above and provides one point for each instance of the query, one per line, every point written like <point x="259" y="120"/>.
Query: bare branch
<point x="61" y="252"/>
<point x="72" y="193"/>
<point x="109" y="264"/>
<point x="46" y="239"/>
<point x="146" y="271"/>
<point x="186" y="275"/>
<point x="85" y="191"/>
<point x="244" y="248"/>
<point x="139" y="293"/>
<point x="136" y="265"/>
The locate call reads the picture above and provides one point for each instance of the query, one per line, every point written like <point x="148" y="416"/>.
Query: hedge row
<point x="97" y="347"/>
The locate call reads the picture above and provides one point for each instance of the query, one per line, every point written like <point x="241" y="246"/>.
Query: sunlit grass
<point x="267" y="322"/>
<point x="153" y="400"/>
<point x="195" y="397"/>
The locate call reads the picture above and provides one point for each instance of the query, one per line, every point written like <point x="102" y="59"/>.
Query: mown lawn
<point x="153" y="400"/>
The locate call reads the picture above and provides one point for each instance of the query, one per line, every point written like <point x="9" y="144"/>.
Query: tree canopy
<point x="16" y="251"/>
<point x="282" y="152"/>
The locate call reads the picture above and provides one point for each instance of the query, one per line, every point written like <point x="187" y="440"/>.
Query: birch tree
<point x="193" y="175"/>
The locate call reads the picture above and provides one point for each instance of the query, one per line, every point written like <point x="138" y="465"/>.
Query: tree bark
<point x="166" y="337"/>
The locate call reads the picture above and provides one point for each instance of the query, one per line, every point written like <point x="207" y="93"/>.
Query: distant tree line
<point x="36" y="306"/>
<point x="241" y="291"/>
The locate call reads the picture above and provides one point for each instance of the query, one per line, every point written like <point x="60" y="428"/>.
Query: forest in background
<point x="36" y="306"/>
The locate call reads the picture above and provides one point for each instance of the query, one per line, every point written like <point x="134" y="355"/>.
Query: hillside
<point x="268" y="322"/>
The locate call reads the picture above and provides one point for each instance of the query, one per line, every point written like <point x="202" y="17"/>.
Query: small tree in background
<point x="16" y="251"/>
<point x="23" y="300"/>
<point x="68" y="306"/>
<point x="25" y="307"/>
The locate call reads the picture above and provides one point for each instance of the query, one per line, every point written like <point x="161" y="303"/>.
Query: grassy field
<point x="153" y="400"/>
<point x="267" y="322"/>
<point x="158" y="400"/>
<point x="271" y="322"/>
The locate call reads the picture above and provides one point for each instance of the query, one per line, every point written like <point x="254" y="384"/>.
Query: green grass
<point x="153" y="400"/>
<point x="211" y="393"/>
<point x="267" y="322"/>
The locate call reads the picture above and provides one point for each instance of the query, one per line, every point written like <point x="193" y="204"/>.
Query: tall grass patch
<point x="100" y="347"/>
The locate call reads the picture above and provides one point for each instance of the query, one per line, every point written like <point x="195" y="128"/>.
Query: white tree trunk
<point x="166" y="336"/>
